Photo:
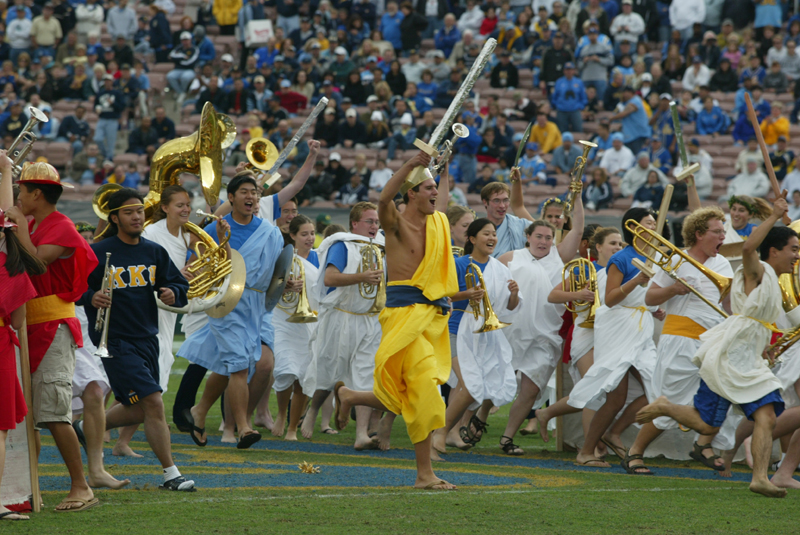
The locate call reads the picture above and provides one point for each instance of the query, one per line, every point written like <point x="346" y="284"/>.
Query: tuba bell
<point x="372" y="260"/>
<point x="298" y="302"/>
<point x="576" y="276"/>
<point x="20" y="155"/>
<point x="474" y="277"/>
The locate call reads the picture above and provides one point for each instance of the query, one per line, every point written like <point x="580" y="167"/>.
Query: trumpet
<point x="576" y="180"/>
<point x="104" y="314"/>
<point x="372" y="260"/>
<point x="474" y="277"/>
<point x="782" y="345"/>
<point x="20" y="155"/>
<point x="672" y="258"/>
<point x="576" y="276"/>
<point x="298" y="302"/>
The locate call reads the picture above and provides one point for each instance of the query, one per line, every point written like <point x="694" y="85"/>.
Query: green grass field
<point x="262" y="490"/>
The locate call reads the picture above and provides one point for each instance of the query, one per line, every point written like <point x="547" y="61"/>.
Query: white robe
<point x="534" y="337"/>
<point x="623" y="339"/>
<point x="293" y="340"/>
<point x="731" y="236"/>
<point x="485" y="358"/>
<point x="730" y="358"/>
<point x="88" y="368"/>
<point x="177" y="247"/>
<point x="788" y="371"/>
<point x="583" y="338"/>
<point x="675" y="376"/>
<point x="347" y="337"/>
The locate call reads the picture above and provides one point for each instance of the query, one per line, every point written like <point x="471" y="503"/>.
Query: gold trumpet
<point x="491" y="322"/>
<point x="671" y="258"/>
<point x="576" y="276"/>
<point x="297" y="301"/>
<point x="372" y="260"/>
<point x="104" y="314"/>
<point x="576" y="178"/>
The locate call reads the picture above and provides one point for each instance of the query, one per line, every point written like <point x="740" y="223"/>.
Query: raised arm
<point x="299" y="180"/>
<point x="443" y="196"/>
<point x="517" y="197"/>
<point x="387" y="211"/>
<point x="569" y="245"/>
<point x="6" y="190"/>
<point x="753" y="270"/>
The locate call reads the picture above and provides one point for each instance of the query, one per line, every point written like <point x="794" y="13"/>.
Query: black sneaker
<point x="179" y="483"/>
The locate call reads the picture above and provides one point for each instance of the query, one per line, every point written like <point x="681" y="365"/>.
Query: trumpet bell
<point x="38" y="114"/>
<point x="261" y="153"/>
<point x="492" y="323"/>
<point x="460" y="130"/>
<point x="588" y="144"/>
<point x="100" y="199"/>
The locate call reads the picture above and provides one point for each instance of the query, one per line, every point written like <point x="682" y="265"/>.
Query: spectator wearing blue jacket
<point x="390" y="26"/>
<point x="448" y="36"/>
<point x="160" y="35"/>
<point x="659" y="156"/>
<point x="565" y="155"/>
<point x="207" y="51"/>
<point x="753" y="70"/>
<point x="427" y="89"/>
<point x="743" y="129"/>
<point x="711" y="121"/>
<point x="467" y="148"/>
<point x="569" y="99"/>
<point x="532" y="167"/>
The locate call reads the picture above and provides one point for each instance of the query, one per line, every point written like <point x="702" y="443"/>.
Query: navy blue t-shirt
<point x="460" y="306"/>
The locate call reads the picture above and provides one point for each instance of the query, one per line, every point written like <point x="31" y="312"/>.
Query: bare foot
<point x="104" y="479"/>
<point x="341" y="393"/>
<point x="307" y="427"/>
<point x="291" y="436"/>
<point x="652" y="411"/>
<point x="123" y="450"/>
<point x="767" y="489"/>
<point x="435" y="457"/>
<point x="385" y="433"/>
<point x="494" y="410"/>
<point x="727" y="460"/>
<point x="222" y="427"/>
<point x="784" y="482"/>
<point x="107" y="437"/>
<point x="264" y="420"/>
<point x="541" y="420"/>
<point x="83" y="494"/>
<point x="532" y="428"/>
<point x="200" y="423"/>
<point x="434" y="484"/>
<point x="587" y="460"/>
<point x="454" y="439"/>
<point x="366" y="443"/>
<point x="748" y="453"/>
<point x="279" y="426"/>
<point x="228" y="436"/>
<point x="438" y="442"/>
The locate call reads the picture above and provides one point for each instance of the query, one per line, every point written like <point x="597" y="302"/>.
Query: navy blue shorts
<point x="713" y="408"/>
<point x="133" y="368"/>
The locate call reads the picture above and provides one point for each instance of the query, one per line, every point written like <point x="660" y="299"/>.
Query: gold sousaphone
<point x="491" y="322"/>
<point x="671" y="258"/>
<point x="580" y="274"/>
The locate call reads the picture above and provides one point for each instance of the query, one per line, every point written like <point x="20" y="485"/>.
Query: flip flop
<point x="248" y="440"/>
<point x="432" y="484"/>
<point x="336" y="388"/>
<point x="619" y="452"/>
<point x="85" y="505"/>
<point x="5" y="516"/>
<point x="330" y="431"/>
<point x="187" y="414"/>
<point x="588" y="464"/>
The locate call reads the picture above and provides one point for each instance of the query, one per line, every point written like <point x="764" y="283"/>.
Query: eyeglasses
<point x="500" y="201"/>
<point x="289" y="212"/>
<point x="370" y="222"/>
<point x="719" y="232"/>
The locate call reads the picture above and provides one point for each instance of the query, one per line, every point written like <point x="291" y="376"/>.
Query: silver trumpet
<point x="460" y="131"/>
<point x="20" y="155"/>
<point x="104" y="314"/>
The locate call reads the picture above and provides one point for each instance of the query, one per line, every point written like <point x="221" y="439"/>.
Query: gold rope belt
<point x="254" y="289"/>
<point x="48" y="308"/>
<point x="356" y="313"/>
<point x="770" y="327"/>
<point x="682" y="326"/>
<point x="641" y="308"/>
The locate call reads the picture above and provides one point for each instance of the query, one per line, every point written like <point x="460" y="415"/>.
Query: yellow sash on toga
<point x="414" y="356"/>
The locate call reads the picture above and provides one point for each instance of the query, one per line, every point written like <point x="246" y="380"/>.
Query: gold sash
<point x="49" y="308"/>
<point x="682" y="326"/>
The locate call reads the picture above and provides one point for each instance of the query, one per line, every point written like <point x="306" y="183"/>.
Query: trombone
<point x="104" y="314"/>
<point x="577" y="275"/>
<point x="671" y="258"/>
<point x="372" y="260"/>
<point x="474" y="277"/>
<point x="297" y="301"/>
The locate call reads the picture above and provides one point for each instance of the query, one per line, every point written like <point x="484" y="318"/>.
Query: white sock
<point x="171" y="473"/>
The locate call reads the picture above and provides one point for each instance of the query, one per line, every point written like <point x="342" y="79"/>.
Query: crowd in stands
<point x="604" y="71"/>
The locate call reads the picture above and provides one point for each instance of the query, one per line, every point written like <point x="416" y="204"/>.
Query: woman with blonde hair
<point x="460" y="218"/>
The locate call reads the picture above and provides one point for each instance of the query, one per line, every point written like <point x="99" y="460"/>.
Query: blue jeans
<point x="179" y="79"/>
<point x="289" y="23"/>
<point x="434" y="25"/>
<point x="469" y="167"/>
<point x="569" y="121"/>
<point x="105" y="135"/>
<point x="15" y="53"/>
<point x="636" y="145"/>
<point x="77" y="145"/>
<point x="599" y="85"/>
<point x="87" y="178"/>
<point x="397" y="141"/>
<point x="45" y="51"/>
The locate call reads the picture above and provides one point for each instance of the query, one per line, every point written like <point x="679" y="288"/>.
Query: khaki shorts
<point x="52" y="381"/>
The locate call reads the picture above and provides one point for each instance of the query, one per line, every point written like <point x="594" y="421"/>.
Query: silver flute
<point x="272" y="175"/>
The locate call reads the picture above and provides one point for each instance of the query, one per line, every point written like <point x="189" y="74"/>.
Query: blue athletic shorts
<point x="713" y="408"/>
<point x="133" y="370"/>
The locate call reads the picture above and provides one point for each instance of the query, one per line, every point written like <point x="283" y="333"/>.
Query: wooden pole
<point x="25" y="372"/>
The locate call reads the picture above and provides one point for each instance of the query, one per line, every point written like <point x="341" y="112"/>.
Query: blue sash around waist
<point x="403" y="296"/>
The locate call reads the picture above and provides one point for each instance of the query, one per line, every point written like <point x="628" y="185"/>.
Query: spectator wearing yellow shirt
<point x="775" y="125"/>
<point x="545" y="133"/>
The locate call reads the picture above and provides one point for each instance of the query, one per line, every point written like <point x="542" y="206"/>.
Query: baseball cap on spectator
<point x="694" y="141"/>
<point x="406" y="119"/>
<point x="305" y="58"/>
<point x="340" y="51"/>
<point x="245" y="130"/>
<point x="279" y="58"/>
<point x="567" y="136"/>
<point x="667" y="96"/>
<point x="333" y="37"/>
<point x="351" y="113"/>
<point x="108" y="77"/>
<point x="327" y="83"/>
<point x="532" y="146"/>
<point x="697" y="59"/>
<point x="335" y="157"/>
<point x="258" y="79"/>
<point x="286" y="83"/>
<point x="21" y="7"/>
<point x="372" y="98"/>
<point x="306" y="19"/>
<point x="319" y="163"/>
<point x="325" y="219"/>
<point x="125" y="67"/>
<point x="558" y="35"/>
<point x="780" y="138"/>
<point x="593" y="30"/>
<point x="347" y="100"/>
<point x="709" y="35"/>
<point x="330" y="111"/>
<point x="367" y="77"/>
<point x="627" y="2"/>
<point x="505" y="54"/>
<point x="727" y="22"/>
<point x="647" y="77"/>
<point x="316" y="44"/>
<point x="412" y="52"/>
<point x="517" y="137"/>
<point x="628" y="88"/>
<point x="376" y="116"/>
<point x="109" y="50"/>
<point x="372" y="59"/>
<point x="48" y="109"/>
<point x="569" y="65"/>
<point x="617" y="136"/>
<point x="186" y="35"/>
<point x="227" y="57"/>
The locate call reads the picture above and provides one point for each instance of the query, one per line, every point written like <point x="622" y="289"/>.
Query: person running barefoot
<point x="413" y="359"/>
